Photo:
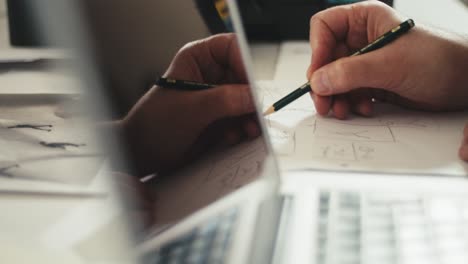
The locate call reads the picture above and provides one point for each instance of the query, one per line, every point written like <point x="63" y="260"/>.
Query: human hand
<point x="463" y="153"/>
<point x="424" y="69"/>
<point x="167" y="127"/>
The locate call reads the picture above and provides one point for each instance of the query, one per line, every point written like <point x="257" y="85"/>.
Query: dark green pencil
<point x="378" y="43"/>
<point x="182" y="84"/>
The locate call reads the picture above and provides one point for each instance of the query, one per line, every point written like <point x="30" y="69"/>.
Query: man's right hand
<point x="424" y="69"/>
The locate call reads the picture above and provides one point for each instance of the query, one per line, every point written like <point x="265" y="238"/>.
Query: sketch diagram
<point x="210" y="178"/>
<point x="355" y="132"/>
<point x="364" y="152"/>
<point x="343" y="152"/>
<point x="413" y="122"/>
<point x="283" y="139"/>
<point x="236" y="167"/>
<point x="395" y="139"/>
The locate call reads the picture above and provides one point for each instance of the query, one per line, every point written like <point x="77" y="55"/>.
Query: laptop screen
<point x="182" y="106"/>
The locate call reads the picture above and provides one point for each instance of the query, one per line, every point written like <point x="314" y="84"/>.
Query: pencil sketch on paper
<point x="47" y="128"/>
<point x="236" y="167"/>
<point x="212" y="177"/>
<point x="355" y="132"/>
<point x="61" y="145"/>
<point x="6" y="171"/>
<point x="411" y="122"/>
<point x="395" y="136"/>
<point x="337" y="151"/>
<point x="284" y="138"/>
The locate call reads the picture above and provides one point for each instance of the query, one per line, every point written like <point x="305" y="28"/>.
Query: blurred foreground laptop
<point x="229" y="207"/>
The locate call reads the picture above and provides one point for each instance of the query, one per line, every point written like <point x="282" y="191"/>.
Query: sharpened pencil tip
<point x="269" y="111"/>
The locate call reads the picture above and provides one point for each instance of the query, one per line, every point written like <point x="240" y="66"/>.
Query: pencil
<point x="182" y="84"/>
<point x="378" y="43"/>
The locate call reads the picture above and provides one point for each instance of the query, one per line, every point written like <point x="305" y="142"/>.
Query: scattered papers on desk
<point x="395" y="140"/>
<point x="39" y="82"/>
<point x="36" y="144"/>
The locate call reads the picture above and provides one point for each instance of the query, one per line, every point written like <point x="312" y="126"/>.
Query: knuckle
<point x="228" y="99"/>
<point x="186" y="49"/>
<point x="313" y="19"/>
<point x="339" y="75"/>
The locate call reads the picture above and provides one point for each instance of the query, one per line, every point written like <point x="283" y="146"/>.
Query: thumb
<point x="346" y="74"/>
<point x="228" y="100"/>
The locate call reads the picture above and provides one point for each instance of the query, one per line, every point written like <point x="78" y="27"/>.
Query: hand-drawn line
<point x="279" y="132"/>
<point x="36" y="127"/>
<point x="366" y="150"/>
<point x="3" y="171"/>
<point x="289" y="138"/>
<point x="391" y="133"/>
<point x="411" y="123"/>
<point x="221" y="170"/>
<point x="294" y="143"/>
<point x="302" y="110"/>
<point x="325" y="151"/>
<point x="228" y="180"/>
<point x="358" y="134"/>
<point x="354" y="151"/>
<point x="207" y="177"/>
<point x="314" y="126"/>
<point x="237" y="160"/>
<point x="362" y="152"/>
<point x="333" y="152"/>
<point x="60" y="145"/>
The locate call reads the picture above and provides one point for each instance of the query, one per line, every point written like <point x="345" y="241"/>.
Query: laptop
<point x="234" y="205"/>
<point x="316" y="216"/>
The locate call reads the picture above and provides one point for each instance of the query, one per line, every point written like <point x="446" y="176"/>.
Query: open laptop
<point x="239" y="210"/>
<point x="315" y="216"/>
<point x="238" y="202"/>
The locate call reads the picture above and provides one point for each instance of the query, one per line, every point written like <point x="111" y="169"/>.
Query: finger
<point x="361" y="102"/>
<point x="341" y="107"/>
<point x="232" y="136"/>
<point x="322" y="104"/>
<point x="463" y="152"/>
<point x="327" y="29"/>
<point x="344" y="75"/>
<point x="220" y="56"/>
<point x="322" y="42"/>
<point x="226" y="101"/>
<point x="251" y="128"/>
<point x="354" y="25"/>
<point x="465" y="135"/>
<point x="341" y="51"/>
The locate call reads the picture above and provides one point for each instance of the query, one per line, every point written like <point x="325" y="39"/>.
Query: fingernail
<point x="321" y="83"/>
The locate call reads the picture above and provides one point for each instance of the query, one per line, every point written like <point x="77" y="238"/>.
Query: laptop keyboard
<point x="366" y="228"/>
<point x="207" y="243"/>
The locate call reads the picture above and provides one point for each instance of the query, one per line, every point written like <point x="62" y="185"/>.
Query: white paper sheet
<point x="29" y="132"/>
<point x="395" y="140"/>
<point x="293" y="60"/>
